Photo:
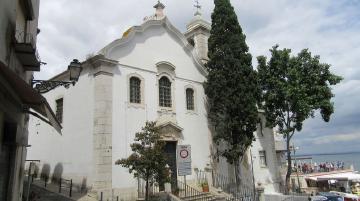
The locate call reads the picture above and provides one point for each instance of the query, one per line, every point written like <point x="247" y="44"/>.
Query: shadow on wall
<point x="58" y="171"/>
<point x="36" y="171"/>
<point x="45" y="172"/>
<point x="83" y="187"/>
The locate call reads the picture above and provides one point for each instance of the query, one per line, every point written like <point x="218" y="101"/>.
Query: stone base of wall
<point x="125" y="194"/>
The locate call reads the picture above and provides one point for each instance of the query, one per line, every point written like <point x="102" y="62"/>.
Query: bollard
<point x="101" y="196"/>
<point x="117" y="198"/>
<point x="60" y="185"/>
<point x="70" y="193"/>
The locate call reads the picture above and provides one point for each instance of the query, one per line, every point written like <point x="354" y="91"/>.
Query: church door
<point x="170" y="151"/>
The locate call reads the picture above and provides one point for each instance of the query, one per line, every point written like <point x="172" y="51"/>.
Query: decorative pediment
<point x="170" y="131"/>
<point x="138" y="30"/>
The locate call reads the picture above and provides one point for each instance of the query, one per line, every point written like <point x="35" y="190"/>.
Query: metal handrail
<point x="153" y="188"/>
<point x="238" y="192"/>
<point x="62" y="184"/>
<point x="186" y="191"/>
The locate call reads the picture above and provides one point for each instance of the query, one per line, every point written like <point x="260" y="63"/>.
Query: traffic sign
<point x="184" y="160"/>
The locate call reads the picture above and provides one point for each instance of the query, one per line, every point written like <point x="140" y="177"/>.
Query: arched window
<point x="164" y="92"/>
<point x="135" y="90"/>
<point x="189" y="99"/>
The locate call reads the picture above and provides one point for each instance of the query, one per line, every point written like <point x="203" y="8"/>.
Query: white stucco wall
<point x="139" y="57"/>
<point x="73" y="149"/>
<point x="267" y="175"/>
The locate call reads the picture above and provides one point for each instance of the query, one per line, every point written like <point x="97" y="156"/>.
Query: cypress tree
<point x="231" y="86"/>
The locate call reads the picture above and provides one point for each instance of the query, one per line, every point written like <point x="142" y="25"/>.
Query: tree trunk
<point x="147" y="189"/>
<point x="235" y="172"/>
<point x="289" y="168"/>
<point x="236" y="168"/>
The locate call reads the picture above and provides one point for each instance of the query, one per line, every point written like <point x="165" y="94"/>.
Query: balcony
<point x="25" y="49"/>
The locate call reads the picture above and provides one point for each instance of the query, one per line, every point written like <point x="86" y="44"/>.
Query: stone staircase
<point x="194" y="193"/>
<point x="200" y="197"/>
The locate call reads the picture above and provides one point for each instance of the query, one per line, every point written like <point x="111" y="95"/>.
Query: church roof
<point x="163" y="22"/>
<point x="198" y="21"/>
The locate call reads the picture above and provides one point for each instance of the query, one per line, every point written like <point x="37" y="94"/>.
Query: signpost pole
<point x="185" y="184"/>
<point x="184" y="162"/>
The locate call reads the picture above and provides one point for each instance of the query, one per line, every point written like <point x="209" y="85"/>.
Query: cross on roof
<point x="197" y="6"/>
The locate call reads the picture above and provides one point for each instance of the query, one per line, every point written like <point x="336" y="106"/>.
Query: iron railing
<point x="238" y="192"/>
<point x="60" y="182"/>
<point x="187" y="192"/>
<point x="25" y="37"/>
<point x="67" y="184"/>
<point x="153" y="188"/>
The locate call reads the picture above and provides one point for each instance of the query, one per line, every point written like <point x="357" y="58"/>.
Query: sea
<point x="352" y="158"/>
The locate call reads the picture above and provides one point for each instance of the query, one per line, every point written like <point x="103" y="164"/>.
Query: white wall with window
<point x="264" y="158"/>
<point x="167" y="75"/>
<point x="72" y="150"/>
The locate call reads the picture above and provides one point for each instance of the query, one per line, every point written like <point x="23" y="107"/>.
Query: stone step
<point x="203" y="196"/>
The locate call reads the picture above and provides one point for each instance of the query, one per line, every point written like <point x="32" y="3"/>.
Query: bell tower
<point x="198" y="33"/>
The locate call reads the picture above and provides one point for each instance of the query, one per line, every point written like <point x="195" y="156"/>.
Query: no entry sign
<point x="184" y="160"/>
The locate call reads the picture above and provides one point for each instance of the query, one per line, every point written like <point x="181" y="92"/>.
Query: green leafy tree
<point x="293" y="89"/>
<point x="147" y="160"/>
<point x="231" y="87"/>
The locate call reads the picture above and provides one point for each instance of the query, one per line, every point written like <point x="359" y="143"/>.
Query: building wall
<point x="11" y="108"/>
<point x="250" y="171"/>
<point x="129" y="118"/>
<point x="7" y="24"/>
<point x="69" y="154"/>
<point x="267" y="176"/>
<point x="73" y="149"/>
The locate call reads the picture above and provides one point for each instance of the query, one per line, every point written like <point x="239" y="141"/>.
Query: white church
<point x="153" y="73"/>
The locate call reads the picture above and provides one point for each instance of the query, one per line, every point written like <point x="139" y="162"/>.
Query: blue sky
<point x="73" y="29"/>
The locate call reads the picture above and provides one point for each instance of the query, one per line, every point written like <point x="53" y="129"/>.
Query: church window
<point x="59" y="109"/>
<point x="164" y="92"/>
<point x="135" y="90"/>
<point x="262" y="156"/>
<point x="189" y="99"/>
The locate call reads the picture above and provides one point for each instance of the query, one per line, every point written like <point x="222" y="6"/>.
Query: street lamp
<point x="43" y="86"/>
<point x="75" y="70"/>
<point x="293" y="148"/>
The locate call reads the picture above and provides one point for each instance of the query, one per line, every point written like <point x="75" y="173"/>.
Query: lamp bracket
<point x="43" y="86"/>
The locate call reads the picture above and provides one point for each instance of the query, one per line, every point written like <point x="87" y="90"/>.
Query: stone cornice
<point x="101" y="60"/>
<point x="102" y="65"/>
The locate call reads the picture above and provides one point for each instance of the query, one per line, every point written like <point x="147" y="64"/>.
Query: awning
<point x="340" y="176"/>
<point x="30" y="97"/>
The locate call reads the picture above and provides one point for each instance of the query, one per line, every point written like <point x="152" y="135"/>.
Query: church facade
<point x="153" y="73"/>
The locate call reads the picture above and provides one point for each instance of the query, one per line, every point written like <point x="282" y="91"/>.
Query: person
<point x="355" y="189"/>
